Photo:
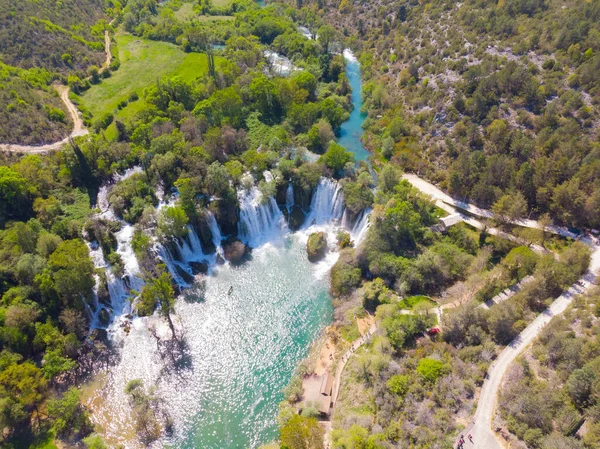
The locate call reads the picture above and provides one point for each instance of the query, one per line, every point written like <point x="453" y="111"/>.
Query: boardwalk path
<point x="340" y="368"/>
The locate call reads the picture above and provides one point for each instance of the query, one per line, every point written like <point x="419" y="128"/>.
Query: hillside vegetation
<point x="550" y="397"/>
<point x="487" y="98"/>
<point x="57" y="36"/>
<point x="142" y="63"/>
<point x="42" y="42"/>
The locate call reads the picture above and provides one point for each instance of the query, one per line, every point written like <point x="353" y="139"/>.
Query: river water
<point x="351" y="130"/>
<point x="246" y="329"/>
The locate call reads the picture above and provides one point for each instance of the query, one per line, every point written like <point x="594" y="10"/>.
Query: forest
<point x="488" y="101"/>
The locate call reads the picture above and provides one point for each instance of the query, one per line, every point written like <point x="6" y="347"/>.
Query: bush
<point x="345" y="276"/>
<point x="432" y="369"/>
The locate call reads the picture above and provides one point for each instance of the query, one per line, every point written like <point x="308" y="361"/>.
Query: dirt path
<point x="340" y="368"/>
<point x="107" y="50"/>
<point x="79" y="128"/>
<point x="484" y="435"/>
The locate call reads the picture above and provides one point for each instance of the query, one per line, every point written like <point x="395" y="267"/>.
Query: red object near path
<point x="434" y="331"/>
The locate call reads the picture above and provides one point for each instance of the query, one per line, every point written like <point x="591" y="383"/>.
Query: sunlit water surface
<point x="244" y="347"/>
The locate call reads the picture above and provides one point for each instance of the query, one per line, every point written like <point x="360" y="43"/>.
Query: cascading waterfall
<point x="260" y="220"/>
<point x="190" y="248"/>
<point x="118" y="288"/>
<point x="359" y="230"/>
<point x="289" y="197"/>
<point x="327" y="204"/>
<point x="216" y="233"/>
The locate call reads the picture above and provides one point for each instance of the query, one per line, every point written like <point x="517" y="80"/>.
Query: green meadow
<point x="142" y="63"/>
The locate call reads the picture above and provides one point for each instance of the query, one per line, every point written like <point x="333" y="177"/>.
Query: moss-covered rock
<point x="316" y="247"/>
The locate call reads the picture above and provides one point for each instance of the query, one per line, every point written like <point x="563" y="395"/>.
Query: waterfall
<point x="190" y="248"/>
<point x="216" y="233"/>
<point x="95" y="308"/>
<point x="259" y="221"/>
<point x="173" y="266"/>
<point x="117" y="290"/>
<point x="359" y="230"/>
<point x="131" y="268"/>
<point x="289" y="197"/>
<point x="327" y="204"/>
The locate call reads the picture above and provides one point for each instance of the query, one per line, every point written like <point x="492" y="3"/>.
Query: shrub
<point x="432" y="369"/>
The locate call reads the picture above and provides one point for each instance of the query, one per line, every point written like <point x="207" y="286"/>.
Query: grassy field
<point x="411" y="302"/>
<point x="186" y="12"/>
<point x="142" y="63"/>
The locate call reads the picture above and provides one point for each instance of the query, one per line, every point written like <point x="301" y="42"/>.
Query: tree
<point x="302" y="433"/>
<point x="24" y="383"/>
<point x="172" y="222"/>
<point x="68" y="415"/>
<point x="399" y="384"/>
<point x="326" y="36"/>
<point x="375" y="293"/>
<point x="94" y="441"/>
<point x="337" y="157"/>
<point x="217" y="181"/>
<point x="72" y="271"/>
<point x="307" y="81"/>
<point x="579" y="385"/>
<point x="387" y="147"/>
<point x="510" y="207"/>
<point x="431" y="369"/>
<point x="319" y="136"/>
<point x="520" y="262"/>
<point x="158" y="292"/>
<point x="15" y="194"/>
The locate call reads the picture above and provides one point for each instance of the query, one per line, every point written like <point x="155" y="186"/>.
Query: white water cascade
<point x="118" y="287"/>
<point x="289" y="197"/>
<point x="216" y="234"/>
<point x="327" y="205"/>
<point x="260" y="220"/>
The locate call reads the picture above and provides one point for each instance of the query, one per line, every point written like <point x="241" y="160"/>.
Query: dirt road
<point x="78" y="128"/>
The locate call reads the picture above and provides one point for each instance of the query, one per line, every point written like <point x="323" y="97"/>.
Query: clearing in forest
<point x="142" y="63"/>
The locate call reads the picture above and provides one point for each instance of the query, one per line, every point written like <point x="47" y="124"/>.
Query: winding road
<point x="481" y="428"/>
<point x="437" y="194"/>
<point x="484" y="436"/>
<point x="79" y="128"/>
